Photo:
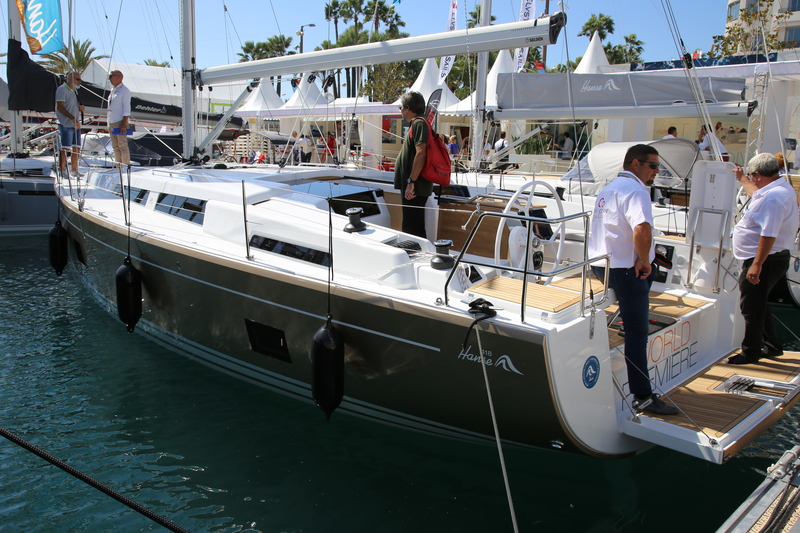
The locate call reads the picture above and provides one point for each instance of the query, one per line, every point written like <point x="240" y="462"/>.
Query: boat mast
<point x="479" y="109"/>
<point x="15" y="32"/>
<point x="188" y="79"/>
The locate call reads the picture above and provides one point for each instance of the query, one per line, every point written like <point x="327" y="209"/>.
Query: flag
<point x="42" y="22"/>
<point x="527" y="11"/>
<point x="396" y="2"/>
<point x="452" y="23"/>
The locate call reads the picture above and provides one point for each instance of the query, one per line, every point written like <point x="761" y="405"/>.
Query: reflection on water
<point x="214" y="454"/>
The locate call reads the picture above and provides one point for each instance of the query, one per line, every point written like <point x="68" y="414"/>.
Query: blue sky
<point x="147" y="29"/>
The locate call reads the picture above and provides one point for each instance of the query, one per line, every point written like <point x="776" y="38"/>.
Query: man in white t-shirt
<point x="762" y="239"/>
<point x="501" y="144"/>
<point x="119" y="114"/>
<point x="622" y="228"/>
<point x="671" y="133"/>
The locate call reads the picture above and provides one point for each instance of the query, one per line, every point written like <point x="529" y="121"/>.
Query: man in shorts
<point x="69" y="127"/>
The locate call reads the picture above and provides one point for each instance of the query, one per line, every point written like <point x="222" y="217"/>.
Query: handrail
<point x="724" y="226"/>
<point x="524" y="271"/>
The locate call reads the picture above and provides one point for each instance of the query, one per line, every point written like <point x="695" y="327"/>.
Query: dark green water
<point x="214" y="454"/>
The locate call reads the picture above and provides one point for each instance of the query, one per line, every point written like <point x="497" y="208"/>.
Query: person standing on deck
<point x="500" y="145"/>
<point x="69" y="126"/>
<point x="762" y="239"/>
<point x="566" y="147"/>
<point x="119" y="113"/>
<point x="622" y="229"/>
<point x="410" y="162"/>
<point x="672" y="132"/>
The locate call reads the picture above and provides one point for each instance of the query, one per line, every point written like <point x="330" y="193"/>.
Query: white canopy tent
<point x="594" y="57"/>
<point x="261" y="102"/>
<point x="503" y="64"/>
<point x="428" y="81"/>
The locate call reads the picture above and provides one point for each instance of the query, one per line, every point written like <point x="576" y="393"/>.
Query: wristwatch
<point x="411" y="181"/>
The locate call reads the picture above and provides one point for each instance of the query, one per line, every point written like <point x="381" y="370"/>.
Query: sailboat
<point x="298" y="280"/>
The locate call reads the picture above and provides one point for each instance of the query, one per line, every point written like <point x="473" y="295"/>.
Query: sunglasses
<point x="653" y="164"/>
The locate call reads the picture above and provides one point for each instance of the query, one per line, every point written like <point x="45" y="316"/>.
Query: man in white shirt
<point x="567" y="145"/>
<point x="69" y="124"/>
<point x="707" y="139"/>
<point x="671" y="131"/>
<point x="119" y="112"/>
<point x="501" y="144"/>
<point x="306" y="148"/>
<point x="762" y="239"/>
<point x="622" y="229"/>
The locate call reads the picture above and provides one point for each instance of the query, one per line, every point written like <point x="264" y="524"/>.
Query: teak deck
<point x="545" y="297"/>
<point x="717" y="412"/>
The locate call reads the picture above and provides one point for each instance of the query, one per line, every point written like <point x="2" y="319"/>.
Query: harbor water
<point x="212" y="453"/>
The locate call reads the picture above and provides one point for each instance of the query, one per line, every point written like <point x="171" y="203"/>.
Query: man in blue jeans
<point x="622" y="228"/>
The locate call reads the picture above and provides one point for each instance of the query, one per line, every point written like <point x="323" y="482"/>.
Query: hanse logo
<point x="609" y="85"/>
<point x="503" y="361"/>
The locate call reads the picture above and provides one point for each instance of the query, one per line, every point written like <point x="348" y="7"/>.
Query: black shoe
<point x="772" y="353"/>
<point x="654" y="404"/>
<point x="742" y="359"/>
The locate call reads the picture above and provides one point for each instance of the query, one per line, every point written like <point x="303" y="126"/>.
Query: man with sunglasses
<point x="119" y="112"/>
<point x="761" y="240"/>
<point x="622" y="228"/>
<point x="69" y="126"/>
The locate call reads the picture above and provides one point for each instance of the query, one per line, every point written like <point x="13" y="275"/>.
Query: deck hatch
<point x="267" y="340"/>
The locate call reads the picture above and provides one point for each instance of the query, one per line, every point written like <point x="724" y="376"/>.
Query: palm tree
<point x="74" y="59"/>
<point x="154" y="63"/>
<point x="474" y="18"/>
<point x="352" y="10"/>
<point x="277" y="46"/>
<point x="602" y="24"/>
<point x="630" y="52"/>
<point x="252" y="50"/>
<point x="378" y="11"/>
<point x="333" y="12"/>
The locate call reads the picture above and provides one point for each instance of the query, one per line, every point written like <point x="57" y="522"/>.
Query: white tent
<point x="594" y="57"/>
<point x="502" y="65"/>
<point x="161" y="84"/>
<point x="261" y="102"/>
<point x="307" y="98"/>
<point x="428" y="81"/>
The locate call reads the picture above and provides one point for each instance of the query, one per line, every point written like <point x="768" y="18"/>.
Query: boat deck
<point x="544" y="297"/>
<point x="715" y="411"/>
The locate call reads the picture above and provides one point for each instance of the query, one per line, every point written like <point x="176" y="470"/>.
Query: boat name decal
<point x="503" y="361"/>
<point x="151" y="109"/>
<point x="607" y="86"/>
<point x="591" y="372"/>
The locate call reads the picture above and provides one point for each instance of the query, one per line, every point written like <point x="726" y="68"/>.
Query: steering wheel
<point x="559" y="233"/>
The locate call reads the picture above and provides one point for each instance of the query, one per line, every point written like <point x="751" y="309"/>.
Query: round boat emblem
<point x="591" y="372"/>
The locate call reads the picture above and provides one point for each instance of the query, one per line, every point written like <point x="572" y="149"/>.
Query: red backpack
<point x="437" y="163"/>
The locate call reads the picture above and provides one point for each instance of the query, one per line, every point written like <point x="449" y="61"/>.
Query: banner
<point x="526" y="12"/>
<point x="432" y="109"/>
<point x="447" y="62"/>
<point x="42" y="22"/>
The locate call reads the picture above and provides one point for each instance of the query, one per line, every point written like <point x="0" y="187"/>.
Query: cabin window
<point x="303" y="253"/>
<point x="190" y="209"/>
<point x="138" y="195"/>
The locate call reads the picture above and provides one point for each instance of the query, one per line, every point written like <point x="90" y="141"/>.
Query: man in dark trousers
<point x="622" y="228"/>
<point x="762" y="240"/>
<point x="410" y="162"/>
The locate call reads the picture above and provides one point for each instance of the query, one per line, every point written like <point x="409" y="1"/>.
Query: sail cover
<point x="534" y="91"/>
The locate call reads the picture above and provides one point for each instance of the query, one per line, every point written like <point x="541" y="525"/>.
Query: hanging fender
<point x="327" y="368"/>
<point x="58" y="239"/>
<point x="129" y="294"/>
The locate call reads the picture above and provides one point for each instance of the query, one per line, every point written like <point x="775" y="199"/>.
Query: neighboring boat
<point x="276" y="277"/>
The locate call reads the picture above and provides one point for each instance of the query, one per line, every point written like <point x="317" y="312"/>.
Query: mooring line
<point x="139" y="508"/>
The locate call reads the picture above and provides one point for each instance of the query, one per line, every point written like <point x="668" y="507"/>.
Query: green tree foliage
<point x="755" y="31"/>
<point x="74" y="59"/>
<point x="602" y="24"/>
<point x="630" y="52"/>
<point x="155" y="63"/>
<point x="474" y="17"/>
